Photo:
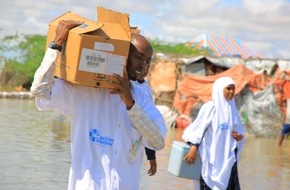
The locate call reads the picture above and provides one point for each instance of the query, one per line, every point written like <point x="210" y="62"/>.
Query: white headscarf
<point x="226" y="112"/>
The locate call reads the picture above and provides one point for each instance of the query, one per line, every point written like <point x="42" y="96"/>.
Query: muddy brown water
<point x="35" y="155"/>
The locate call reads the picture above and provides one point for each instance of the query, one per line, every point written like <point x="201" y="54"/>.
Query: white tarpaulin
<point x="261" y="114"/>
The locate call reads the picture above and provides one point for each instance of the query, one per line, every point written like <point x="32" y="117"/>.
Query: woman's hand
<point x="237" y="136"/>
<point x="190" y="157"/>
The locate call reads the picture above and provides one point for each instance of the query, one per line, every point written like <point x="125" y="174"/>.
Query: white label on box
<point x="115" y="64"/>
<point x="101" y="62"/>
<point x="104" y="46"/>
<point x="93" y="61"/>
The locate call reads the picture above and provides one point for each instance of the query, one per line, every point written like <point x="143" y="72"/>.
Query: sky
<point x="262" y="25"/>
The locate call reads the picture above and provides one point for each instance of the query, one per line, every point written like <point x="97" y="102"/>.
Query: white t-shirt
<point x="145" y="86"/>
<point x="100" y="138"/>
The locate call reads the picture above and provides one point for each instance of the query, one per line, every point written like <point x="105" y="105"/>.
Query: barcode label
<point x="93" y="61"/>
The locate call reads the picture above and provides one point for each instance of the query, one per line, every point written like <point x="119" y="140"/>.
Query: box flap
<point x="88" y="25"/>
<point x="110" y="16"/>
<point x="110" y="30"/>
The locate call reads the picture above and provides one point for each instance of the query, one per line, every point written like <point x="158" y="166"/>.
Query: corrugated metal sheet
<point x="223" y="46"/>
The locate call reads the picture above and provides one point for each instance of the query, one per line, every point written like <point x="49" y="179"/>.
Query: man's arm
<point x="151" y="154"/>
<point x="152" y="160"/>
<point x="43" y="78"/>
<point x="153" y="132"/>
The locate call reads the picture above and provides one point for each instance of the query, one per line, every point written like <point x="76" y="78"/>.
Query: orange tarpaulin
<point x="195" y="89"/>
<point x="259" y="82"/>
<point x="163" y="77"/>
<point x="286" y="89"/>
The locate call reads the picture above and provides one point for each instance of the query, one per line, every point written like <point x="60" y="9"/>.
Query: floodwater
<point x="35" y="155"/>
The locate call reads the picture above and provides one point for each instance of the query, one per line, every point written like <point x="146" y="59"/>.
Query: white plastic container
<point x="178" y="167"/>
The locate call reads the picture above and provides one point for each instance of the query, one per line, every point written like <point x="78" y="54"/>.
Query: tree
<point x="179" y="49"/>
<point x="22" y="55"/>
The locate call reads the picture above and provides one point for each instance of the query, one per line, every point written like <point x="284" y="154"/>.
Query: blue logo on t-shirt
<point x="96" y="137"/>
<point x="224" y="127"/>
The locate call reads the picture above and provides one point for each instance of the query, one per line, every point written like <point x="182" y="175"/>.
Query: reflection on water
<point x="32" y="156"/>
<point x="35" y="155"/>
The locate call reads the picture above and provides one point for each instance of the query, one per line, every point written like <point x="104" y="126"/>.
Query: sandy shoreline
<point x="16" y="95"/>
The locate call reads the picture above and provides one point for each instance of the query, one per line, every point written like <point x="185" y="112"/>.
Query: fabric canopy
<point x="195" y="89"/>
<point x="223" y="46"/>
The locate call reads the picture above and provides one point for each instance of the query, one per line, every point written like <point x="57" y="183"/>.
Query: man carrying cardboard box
<point x="109" y="128"/>
<point x="95" y="50"/>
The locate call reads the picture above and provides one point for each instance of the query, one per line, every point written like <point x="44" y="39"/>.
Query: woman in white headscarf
<point x="218" y="134"/>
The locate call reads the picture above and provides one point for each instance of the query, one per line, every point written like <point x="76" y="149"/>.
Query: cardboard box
<point x="178" y="167"/>
<point x="94" y="50"/>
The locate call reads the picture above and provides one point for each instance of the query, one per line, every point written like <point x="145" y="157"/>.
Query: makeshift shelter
<point x="207" y="65"/>
<point x="194" y="89"/>
<point x="260" y="99"/>
<point x="163" y="79"/>
<point x="261" y="113"/>
<point x="184" y="84"/>
<point x="202" y="65"/>
<point x="223" y="46"/>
